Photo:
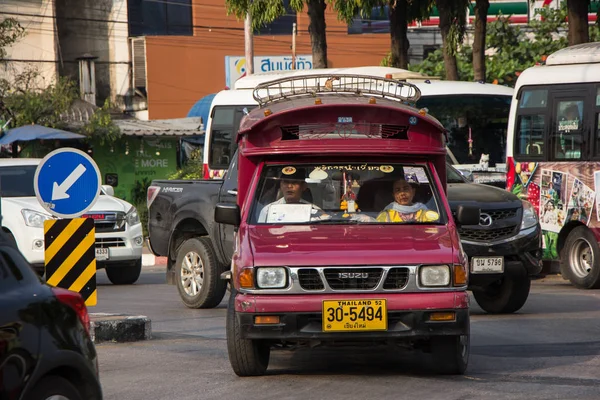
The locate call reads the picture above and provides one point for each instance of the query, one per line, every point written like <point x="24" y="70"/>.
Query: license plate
<point x="101" y="254"/>
<point x="487" y="265"/>
<point x="354" y="315"/>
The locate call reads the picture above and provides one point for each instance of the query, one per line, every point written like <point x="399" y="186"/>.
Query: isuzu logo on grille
<point x="353" y="275"/>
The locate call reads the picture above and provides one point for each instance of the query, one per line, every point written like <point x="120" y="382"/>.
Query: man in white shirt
<point x="292" y="185"/>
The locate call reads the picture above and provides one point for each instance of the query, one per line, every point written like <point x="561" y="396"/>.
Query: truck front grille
<point x="310" y="279"/>
<point x="486" y="235"/>
<point x="106" y="222"/>
<point x="353" y="278"/>
<point x="109" y="242"/>
<point x="397" y="278"/>
<point x="498" y="215"/>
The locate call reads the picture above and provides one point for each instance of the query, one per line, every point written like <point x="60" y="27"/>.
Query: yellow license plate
<point x="354" y="315"/>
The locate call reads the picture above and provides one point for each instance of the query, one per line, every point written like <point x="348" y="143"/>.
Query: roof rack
<point x="356" y="85"/>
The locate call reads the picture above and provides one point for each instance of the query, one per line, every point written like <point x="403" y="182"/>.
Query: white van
<point x="475" y="114"/>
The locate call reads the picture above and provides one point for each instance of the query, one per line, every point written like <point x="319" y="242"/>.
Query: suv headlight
<point x="530" y="217"/>
<point x="132" y="216"/>
<point x="35" y="219"/>
<point x="434" y="275"/>
<point x="271" y="278"/>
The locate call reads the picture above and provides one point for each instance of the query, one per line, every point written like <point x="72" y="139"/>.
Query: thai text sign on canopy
<point x="235" y="67"/>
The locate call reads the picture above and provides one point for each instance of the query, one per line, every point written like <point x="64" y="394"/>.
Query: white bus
<point x="553" y="150"/>
<point x="475" y="115"/>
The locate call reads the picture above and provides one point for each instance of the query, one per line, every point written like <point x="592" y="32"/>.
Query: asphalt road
<point x="548" y="350"/>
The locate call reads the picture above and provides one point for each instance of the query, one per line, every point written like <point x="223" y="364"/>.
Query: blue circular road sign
<point x="67" y="183"/>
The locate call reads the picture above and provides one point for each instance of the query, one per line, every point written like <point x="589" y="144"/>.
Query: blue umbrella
<point x="202" y="108"/>
<point x="36" y="132"/>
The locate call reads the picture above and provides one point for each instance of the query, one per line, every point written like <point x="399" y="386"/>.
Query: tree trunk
<point x="578" y="21"/>
<point x="316" y="29"/>
<point x="445" y="10"/>
<point x="398" y="33"/>
<point x="481" y="13"/>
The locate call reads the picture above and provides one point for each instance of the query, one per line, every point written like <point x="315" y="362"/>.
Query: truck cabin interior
<point x="296" y="120"/>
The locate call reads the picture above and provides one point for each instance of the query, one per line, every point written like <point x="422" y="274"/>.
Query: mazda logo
<point x="485" y="219"/>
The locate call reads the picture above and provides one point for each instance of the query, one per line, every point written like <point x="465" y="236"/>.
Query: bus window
<point x="530" y="135"/>
<point x="534" y="98"/>
<point x="567" y="139"/>
<point x="221" y="137"/>
<point x="480" y="119"/>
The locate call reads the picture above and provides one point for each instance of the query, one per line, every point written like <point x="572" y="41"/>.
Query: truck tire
<point x="505" y="296"/>
<point x="52" y="387"/>
<point x="450" y="354"/>
<point x="247" y="357"/>
<point x="198" y="274"/>
<point x="580" y="259"/>
<point x="125" y="274"/>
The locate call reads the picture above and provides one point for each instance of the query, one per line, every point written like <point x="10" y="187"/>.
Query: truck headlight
<point x="271" y="278"/>
<point x="434" y="275"/>
<point x="530" y="217"/>
<point x="34" y="219"/>
<point x="132" y="216"/>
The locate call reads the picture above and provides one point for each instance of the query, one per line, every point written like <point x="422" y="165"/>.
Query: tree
<point x="578" y="21"/>
<point x="10" y="32"/>
<point x="266" y="11"/>
<point x="453" y="21"/>
<point x="513" y="48"/>
<point x="481" y="13"/>
<point x="23" y="101"/>
<point x="400" y="14"/>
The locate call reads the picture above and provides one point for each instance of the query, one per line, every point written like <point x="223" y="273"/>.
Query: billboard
<point x="235" y="66"/>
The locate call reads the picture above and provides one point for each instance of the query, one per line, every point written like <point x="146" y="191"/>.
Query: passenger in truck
<point x="403" y="209"/>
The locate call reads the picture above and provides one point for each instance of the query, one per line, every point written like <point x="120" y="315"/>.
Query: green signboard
<point x="132" y="163"/>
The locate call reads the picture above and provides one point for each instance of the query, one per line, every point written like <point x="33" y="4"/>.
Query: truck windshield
<point x="17" y="181"/>
<point x="344" y="193"/>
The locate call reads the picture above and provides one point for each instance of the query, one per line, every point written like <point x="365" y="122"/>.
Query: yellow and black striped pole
<point x="70" y="256"/>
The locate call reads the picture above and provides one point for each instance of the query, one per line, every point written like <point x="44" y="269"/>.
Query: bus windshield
<point x="476" y="125"/>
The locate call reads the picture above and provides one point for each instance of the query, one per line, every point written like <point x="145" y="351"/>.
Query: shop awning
<point x="36" y="132"/>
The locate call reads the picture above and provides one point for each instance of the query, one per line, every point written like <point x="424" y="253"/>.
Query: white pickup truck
<point x="119" y="236"/>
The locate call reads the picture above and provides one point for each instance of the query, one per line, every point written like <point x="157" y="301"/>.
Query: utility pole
<point x="294" y="46"/>
<point x="249" y="44"/>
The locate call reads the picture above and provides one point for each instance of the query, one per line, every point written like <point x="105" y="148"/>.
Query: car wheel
<point x="54" y="388"/>
<point x="198" y="274"/>
<point x="580" y="259"/>
<point x="125" y="274"/>
<point x="247" y="357"/>
<point x="451" y="354"/>
<point x="505" y="296"/>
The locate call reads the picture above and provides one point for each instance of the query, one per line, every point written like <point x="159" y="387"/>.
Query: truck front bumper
<point x="300" y="317"/>
<point x="522" y="253"/>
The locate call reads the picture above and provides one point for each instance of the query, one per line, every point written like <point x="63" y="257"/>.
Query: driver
<point x="292" y="185"/>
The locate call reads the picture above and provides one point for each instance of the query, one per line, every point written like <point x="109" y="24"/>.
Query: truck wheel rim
<point x="192" y="273"/>
<point x="581" y="258"/>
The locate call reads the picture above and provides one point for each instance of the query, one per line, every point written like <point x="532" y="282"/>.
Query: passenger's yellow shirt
<point x="417" y="216"/>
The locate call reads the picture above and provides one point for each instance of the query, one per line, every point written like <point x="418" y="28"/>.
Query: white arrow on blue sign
<point x="67" y="183"/>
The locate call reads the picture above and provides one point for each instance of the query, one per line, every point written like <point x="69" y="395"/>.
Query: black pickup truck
<point x="504" y="249"/>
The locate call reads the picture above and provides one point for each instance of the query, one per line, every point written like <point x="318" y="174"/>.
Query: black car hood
<point x="474" y="194"/>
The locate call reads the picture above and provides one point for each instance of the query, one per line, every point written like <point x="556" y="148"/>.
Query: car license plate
<point x="487" y="265"/>
<point x="354" y="315"/>
<point x="101" y="254"/>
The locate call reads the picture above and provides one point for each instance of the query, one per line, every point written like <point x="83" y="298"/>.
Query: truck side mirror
<point x="228" y="214"/>
<point x="467" y="215"/>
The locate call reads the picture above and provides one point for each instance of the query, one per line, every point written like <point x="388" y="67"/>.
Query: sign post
<point x="67" y="184"/>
